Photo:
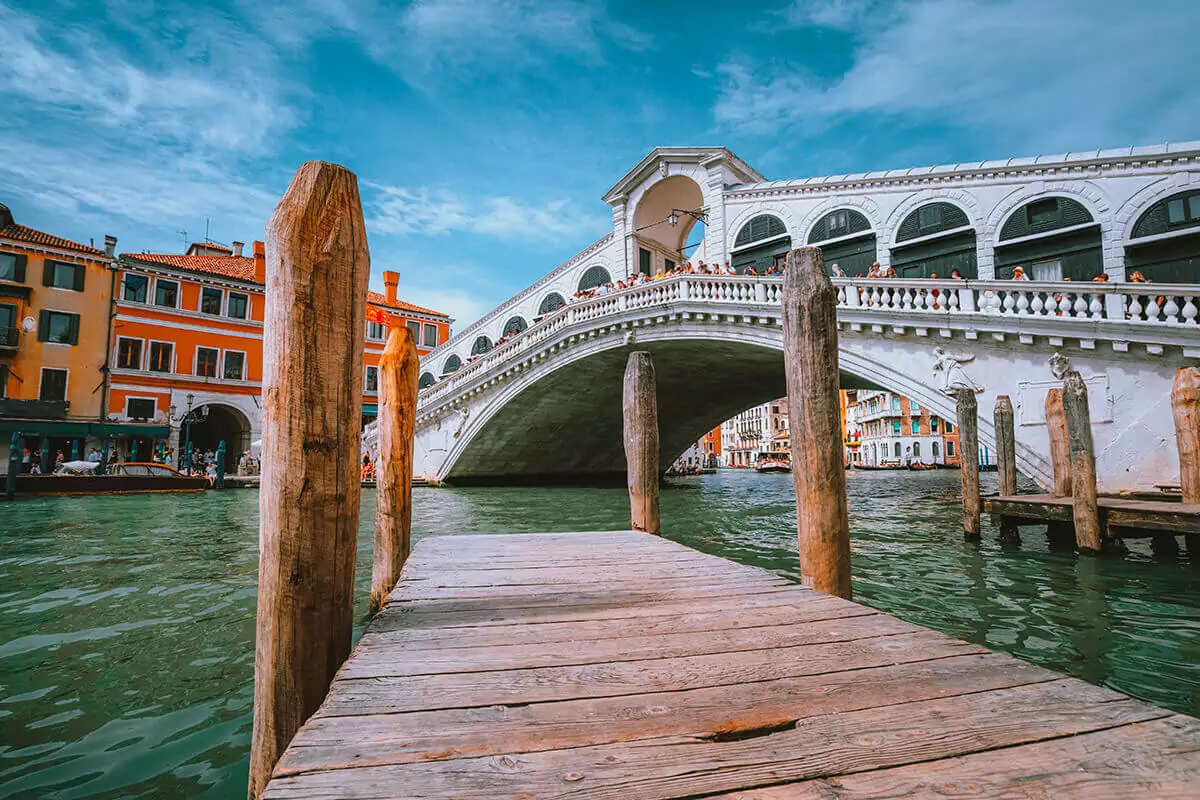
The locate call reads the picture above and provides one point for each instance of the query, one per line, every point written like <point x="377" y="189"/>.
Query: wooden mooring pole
<point x="1086" y="510"/>
<point x="640" y="407"/>
<point x="317" y="272"/>
<point x="968" y="439"/>
<point x="399" y="369"/>
<point x="810" y="358"/>
<point x="1006" y="460"/>
<point x="1060" y="445"/>
<point x="1185" y="405"/>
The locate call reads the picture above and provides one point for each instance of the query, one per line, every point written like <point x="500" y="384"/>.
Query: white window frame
<point x="142" y="357"/>
<point x="66" y="384"/>
<point x="153" y="292"/>
<point x="200" y="301"/>
<point x="149" y="287"/>
<point x="174" y="355"/>
<point x="366" y="371"/>
<point x="245" y="363"/>
<point x="424" y="341"/>
<point x="154" y="400"/>
<point x="196" y="362"/>
<point x="371" y="338"/>
<point x="249" y="303"/>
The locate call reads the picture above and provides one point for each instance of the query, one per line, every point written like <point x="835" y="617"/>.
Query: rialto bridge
<point x="544" y="404"/>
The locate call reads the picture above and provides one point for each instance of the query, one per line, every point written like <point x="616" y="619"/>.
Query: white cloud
<point x="1030" y="73"/>
<point x="837" y="14"/>
<point x="394" y="210"/>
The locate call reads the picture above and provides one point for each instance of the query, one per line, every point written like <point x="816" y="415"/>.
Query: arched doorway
<point x="662" y="222"/>
<point x="762" y="243"/>
<point x="515" y="326"/>
<point x="851" y="242"/>
<point x="1054" y="238"/>
<point x="1173" y="255"/>
<point x="426" y="380"/>
<point x="935" y="239"/>
<point x="217" y="423"/>
<point x="593" y="277"/>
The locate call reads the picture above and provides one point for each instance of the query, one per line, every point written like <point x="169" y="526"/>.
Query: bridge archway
<point x="846" y="238"/>
<point x="1051" y="237"/>
<point x="660" y="231"/>
<point x="482" y="345"/>
<point x="222" y="423"/>
<point x="593" y="277"/>
<point x="451" y="364"/>
<point x="426" y="380"/>
<point x="551" y="303"/>
<point x="1169" y="250"/>
<point x="763" y="242"/>
<point x="935" y="239"/>
<point x="514" y="326"/>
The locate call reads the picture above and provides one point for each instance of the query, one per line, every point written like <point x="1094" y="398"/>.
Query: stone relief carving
<point x="952" y="376"/>
<point x="1060" y="365"/>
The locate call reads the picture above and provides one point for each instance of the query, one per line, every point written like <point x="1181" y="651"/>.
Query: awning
<point x="371" y="408"/>
<point x="76" y="430"/>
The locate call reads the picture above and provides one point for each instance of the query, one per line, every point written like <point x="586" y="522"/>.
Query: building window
<point x="916" y="427"/>
<point x="431" y="335"/>
<point x="129" y="353"/>
<point x="206" y="362"/>
<point x="12" y="267"/>
<point x="140" y="408"/>
<point x="160" y="356"/>
<point x="371" y="382"/>
<point x="895" y="403"/>
<point x="839" y="224"/>
<point x="135" y="287"/>
<point x="916" y="449"/>
<point x="934" y="447"/>
<point x="1047" y="271"/>
<point x="239" y="305"/>
<point x="668" y="265"/>
<point x="58" y="327"/>
<point x="895" y="426"/>
<point x="950" y="449"/>
<point x="414" y="328"/>
<point x="949" y="428"/>
<point x="63" y="276"/>
<point x="166" y="293"/>
<point x="375" y="331"/>
<point x="644" y="264"/>
<point x="3" y="380"/>
<point x="54" y="385"/>
<point x="897" y="450"/>
<point x="933" y="424"/>
<point x="929" y="216"/>
<point x="210" y="301"/>
<point x="1041" y="212"/>
<point x="235" y="365"/>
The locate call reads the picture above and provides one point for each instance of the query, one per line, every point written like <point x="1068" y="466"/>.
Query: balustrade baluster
<point x="1023" y="303"/>
<point x="1096" y="308"/>
<point x="1171" y="310"/>
<point x="1037" y="306"/>
<point x="1081" y="306"/>
<point x="1010" y="302"/>
<point x="1189" y="310"/>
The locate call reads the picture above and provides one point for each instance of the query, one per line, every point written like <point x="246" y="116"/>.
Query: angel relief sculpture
<point x="953" y="376"/>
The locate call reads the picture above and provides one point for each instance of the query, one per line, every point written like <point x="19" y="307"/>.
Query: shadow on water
<point x="127" y="623"/>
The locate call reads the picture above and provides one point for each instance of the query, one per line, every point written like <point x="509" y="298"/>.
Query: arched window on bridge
<point x="551" y="303"/>
<point x="515" y="326"/>
<point x="935" y="239"/>
<point x="1055" y="238"/>
<point x="451" y="364"/>
<point x="762" y="242"/>
<point x="1174" y="254"/>
<point x="852" y="242"/>
<point x="481" y="346"/>
<point x="593" y="277"/>
<point x="426" y="380"/>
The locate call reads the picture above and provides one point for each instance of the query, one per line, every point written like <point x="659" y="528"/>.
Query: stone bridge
<point x="545" y="405"/>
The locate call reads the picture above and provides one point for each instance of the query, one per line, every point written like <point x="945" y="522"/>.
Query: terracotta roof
<point x="22" y="234"/>
<point x="239" y="268"/>
<point x="375" y="298"/>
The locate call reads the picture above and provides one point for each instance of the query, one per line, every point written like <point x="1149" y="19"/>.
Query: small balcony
<point x="33" y="409"/>
<point x="9" y="336"/>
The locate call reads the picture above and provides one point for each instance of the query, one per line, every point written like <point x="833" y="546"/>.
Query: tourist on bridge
<point x="1019" y="274"/>
<point x="1101" y="278"/>
<point x="955" y="275"/>
<point x="875" y="271"/>
<point x="837" y="271"/>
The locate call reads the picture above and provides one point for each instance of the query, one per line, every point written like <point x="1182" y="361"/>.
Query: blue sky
<point x="484" y="132"/>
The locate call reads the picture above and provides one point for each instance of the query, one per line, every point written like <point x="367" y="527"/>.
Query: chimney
<point x="390" y="279"/>
<point x="110" y="245"/>
<point x="260" y="263"/>
<point x="237" y="249"/>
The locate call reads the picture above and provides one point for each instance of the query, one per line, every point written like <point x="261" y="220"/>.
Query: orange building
<point x="186" y="345"/>
<point x="710" y="447"/>
<point x="55" y="297"/>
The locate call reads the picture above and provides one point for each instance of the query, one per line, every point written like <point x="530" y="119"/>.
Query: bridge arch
<point x="592" y="277"/>
<point x="426" y="380"/>
<point x="481" y="345"/>
<point x="1162" y="240"/>
<point x="761" y="242"/>
<point x="847" y="237"/>
<point x="515" y="325"/>
<point x="659" y="230"/>
<point x="551" y="303"/>
<point x="934" y="238"/>
<point x="1051" y="237"/>
<point x="452" y="364"/>
<point x="222" y="422"/>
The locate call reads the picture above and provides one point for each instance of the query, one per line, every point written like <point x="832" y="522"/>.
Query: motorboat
<point x="80" y="477"/>
<point x="773" y="465"/>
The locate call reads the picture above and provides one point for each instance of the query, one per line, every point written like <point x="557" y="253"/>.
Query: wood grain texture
<point x="1085" y="511"/>
<point x="968" y="436"/>
<point x="317" y="271"/>
<point x="1060" y="444"/>
<point x="639" y="403"/>
<point x="399" y="373"/>
<point x="810" y="347"/>
<point x="1185" y="406"/>
<point x="1006" y="445"/>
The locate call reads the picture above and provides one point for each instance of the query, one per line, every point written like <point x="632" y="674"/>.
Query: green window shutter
<point x="73" y="331"/>
<point x="80" y="274"/>
<point x="19" y="267"/>
<point x="43" y="325"/>
<point x="47" y="273"/>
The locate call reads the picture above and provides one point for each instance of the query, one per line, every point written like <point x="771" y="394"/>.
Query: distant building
<point x="896" y="431"/>
<point x="754" y="434"/>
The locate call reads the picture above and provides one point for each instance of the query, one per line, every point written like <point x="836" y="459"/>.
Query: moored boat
<point x="79" y="477"/>
<point x="773" y="465"/>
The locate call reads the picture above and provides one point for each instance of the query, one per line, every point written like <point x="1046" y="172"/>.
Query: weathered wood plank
<point x="672" y="767"/>
<point x="1159" y="759"/>
<point x="378" y="739"/>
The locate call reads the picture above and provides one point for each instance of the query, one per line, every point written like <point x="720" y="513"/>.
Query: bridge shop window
<point x="514" y="326"/>
<point x="551" y="303"/>
<point x="1165" y="243"/>
<point x="593" y="277"/>
<point x="761" y="243"/>
<point x="481" y="346"/>
<point x="452" y="364"/>
<point x="426" y="380"/>
<point x="854" y="247"/>
<point x="1056" y="236"/>
<point x="935" y="239"/>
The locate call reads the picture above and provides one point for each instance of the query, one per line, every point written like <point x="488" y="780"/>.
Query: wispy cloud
<point x="1030" y="73"/>
<point x="400" y="211"/>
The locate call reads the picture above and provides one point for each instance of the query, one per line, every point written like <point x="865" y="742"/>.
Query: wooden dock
<point x="1122" y="517"/>
<point x="623" y="665"/>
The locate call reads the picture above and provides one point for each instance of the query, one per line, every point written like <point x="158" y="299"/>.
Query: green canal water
<point x="127" y="623"/>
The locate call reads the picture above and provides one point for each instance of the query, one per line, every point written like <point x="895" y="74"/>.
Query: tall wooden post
<point x="1006" y="459"/>
<point x="317" y="272"/>
<point x="399" y="372"/>
<point x="1060" y="446"/>
<point x="1185" y="404"/>
<point x="810" y="360"/>
<point x="1083" y="463"/>
<point x="105" y="445"/>
<point x="14" y="464"/>
<point x="968" y="438"/>
<point x="639" y="402"/>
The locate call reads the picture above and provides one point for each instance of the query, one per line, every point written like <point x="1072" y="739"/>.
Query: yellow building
<point x="55" y="310"/>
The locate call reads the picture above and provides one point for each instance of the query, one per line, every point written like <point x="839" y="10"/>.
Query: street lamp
<point x="186" y="420"/>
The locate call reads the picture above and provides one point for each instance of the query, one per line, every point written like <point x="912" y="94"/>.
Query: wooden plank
<point x="641" y="592"/>
<point x="377" y="739"/>
<point x="543" y="684"/>
<point x="681" y="766"/>
<point x="526" y="576"/>
<point x="383" y="658"/>
<point x="1159" y="759"/>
